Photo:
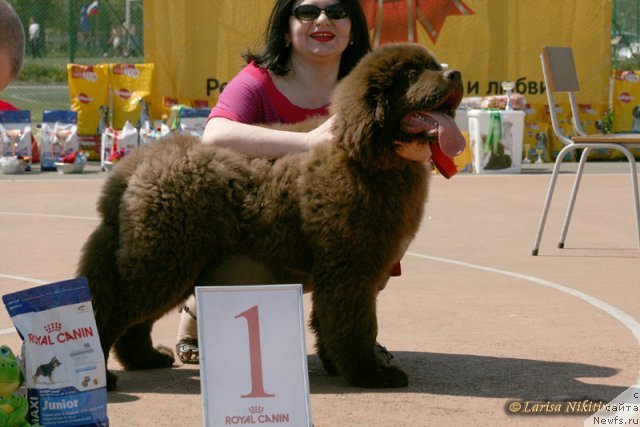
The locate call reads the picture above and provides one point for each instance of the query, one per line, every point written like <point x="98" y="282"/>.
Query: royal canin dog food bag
<point x="64" y="365"/>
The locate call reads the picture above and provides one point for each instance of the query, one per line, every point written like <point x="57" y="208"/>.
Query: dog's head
<point x="397" y="95"/>
<point x="636" y="112"/>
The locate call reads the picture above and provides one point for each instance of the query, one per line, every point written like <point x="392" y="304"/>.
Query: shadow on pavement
<point x="484" y="376"/>
<point x="429" y="373"/>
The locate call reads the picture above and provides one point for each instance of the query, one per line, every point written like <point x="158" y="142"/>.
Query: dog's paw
<point x="380" y="377"/>
<point x="112" y="379"/>
<point x="328" y="365"/>
<point x="153" y="358"/>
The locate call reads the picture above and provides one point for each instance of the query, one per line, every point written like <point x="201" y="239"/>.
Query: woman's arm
<point x="257" y="141"/>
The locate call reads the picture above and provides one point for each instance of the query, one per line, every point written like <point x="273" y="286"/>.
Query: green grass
<point x="37" y="98"/>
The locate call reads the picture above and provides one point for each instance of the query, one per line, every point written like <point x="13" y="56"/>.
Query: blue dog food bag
<point x="63" y="361"/>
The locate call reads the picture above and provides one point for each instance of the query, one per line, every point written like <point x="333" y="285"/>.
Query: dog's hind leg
<point x="135" y="350"/>
<point x="97" y="264"/>
<point x="109" y="329"/>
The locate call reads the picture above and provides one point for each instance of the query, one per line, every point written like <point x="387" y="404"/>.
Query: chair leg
<point x="572" y="199"/>
<point x="634" y="187"/>
<point x="547" y="202"/>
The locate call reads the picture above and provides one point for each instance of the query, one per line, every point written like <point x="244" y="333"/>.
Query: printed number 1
<point x="255" y="353"/>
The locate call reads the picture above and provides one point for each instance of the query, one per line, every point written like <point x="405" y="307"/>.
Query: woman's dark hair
<point x="276" y="54"/>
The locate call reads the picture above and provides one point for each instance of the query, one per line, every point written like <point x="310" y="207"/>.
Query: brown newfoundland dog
<point x="340" y="215"/>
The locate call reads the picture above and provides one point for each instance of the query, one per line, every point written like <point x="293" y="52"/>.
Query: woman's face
<point x="321" y="37"/>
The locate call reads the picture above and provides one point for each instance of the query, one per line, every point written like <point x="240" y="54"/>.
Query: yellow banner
<point x="502" y="40"/>
<point x="196" y="44"/>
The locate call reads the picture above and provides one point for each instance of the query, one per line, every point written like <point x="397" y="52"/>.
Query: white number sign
<point x="253" y="362"/>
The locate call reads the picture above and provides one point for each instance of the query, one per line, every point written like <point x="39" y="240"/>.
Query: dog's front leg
<point x="344" y="320"/>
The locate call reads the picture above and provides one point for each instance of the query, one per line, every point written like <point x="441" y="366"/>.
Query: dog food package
<point x="130" y="85"/>
<point x="626" y="107"/>
<point x="15" y="136"/>
<point x="563" y="113"/>
<point x="89" y="95"/>
<point x="626" y="101"/>
<point x="58" y="137"/>
<point x="167" y="104"/>
<point x="117" y="143"/>
<point x="464" y="161"/>
<point x="496" y="140"/>
<point x="64" y="365"/>
<point x="200" y="103"/>
<point x="591" y="116"/>
<point x="591" y="119"/>
<point x="556" y="144"/>
<point x="190" y="120"/>
<point x="149" y="134"/>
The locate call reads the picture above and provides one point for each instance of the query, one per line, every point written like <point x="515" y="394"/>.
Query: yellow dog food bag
<point x="591" y="118"/>
<point x="167" y="104"/>
<point x="89" y="95"/>
<point x="626" y="106"/>
<point x="563" y="112"/>
<point x="130" y="86"/>
<point x="626" y="101"/>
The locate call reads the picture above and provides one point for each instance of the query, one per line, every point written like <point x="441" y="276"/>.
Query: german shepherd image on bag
<point x="46" y="370"/>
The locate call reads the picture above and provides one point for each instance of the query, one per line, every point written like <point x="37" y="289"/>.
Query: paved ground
<point x="475" y="320"/>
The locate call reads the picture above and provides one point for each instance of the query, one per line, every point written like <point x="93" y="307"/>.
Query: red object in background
<point x="398" y="20"/>
<point x="70" y="158"/>
<point x="5" y="106"/>
<point x="35" y="153"/>
<point x="200" y="103"/>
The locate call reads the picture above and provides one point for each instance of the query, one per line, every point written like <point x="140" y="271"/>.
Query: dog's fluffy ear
<point x="362" y="106"/>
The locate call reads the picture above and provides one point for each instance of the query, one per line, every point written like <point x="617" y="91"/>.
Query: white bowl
<point x="12" y="165"/>
<point x="64" y="168"/>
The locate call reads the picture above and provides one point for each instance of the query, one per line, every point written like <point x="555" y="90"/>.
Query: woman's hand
<point x="322" y="134"/>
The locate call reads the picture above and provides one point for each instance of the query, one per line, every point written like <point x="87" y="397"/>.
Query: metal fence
<point x="625" y="32"/>
<point x="59" y="32"/>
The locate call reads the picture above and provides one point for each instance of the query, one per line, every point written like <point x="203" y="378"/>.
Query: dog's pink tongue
<point x="449" y="137"/>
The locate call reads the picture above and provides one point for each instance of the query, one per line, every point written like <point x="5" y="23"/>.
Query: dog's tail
<point x="103" y="242"/>
<point x="116" y="185"/>
<point x="98" y="259"/>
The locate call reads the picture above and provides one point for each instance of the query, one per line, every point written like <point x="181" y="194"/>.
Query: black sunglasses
<point x="309" y="12"/>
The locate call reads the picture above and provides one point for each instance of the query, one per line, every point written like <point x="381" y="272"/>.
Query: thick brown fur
<point x="340" y="214"/>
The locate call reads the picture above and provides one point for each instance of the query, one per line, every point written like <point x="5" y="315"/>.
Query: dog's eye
<point x="412" y="75"/>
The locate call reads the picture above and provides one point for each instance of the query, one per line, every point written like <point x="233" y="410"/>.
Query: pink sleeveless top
<point x="252" y="97"/>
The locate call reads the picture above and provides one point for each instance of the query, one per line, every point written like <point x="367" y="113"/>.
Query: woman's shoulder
<point x="254" y="72"/>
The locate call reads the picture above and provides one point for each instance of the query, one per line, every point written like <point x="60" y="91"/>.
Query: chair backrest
<point x="559" y="71"/>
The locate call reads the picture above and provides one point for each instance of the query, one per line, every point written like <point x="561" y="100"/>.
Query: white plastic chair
<point x="560" y="75"/>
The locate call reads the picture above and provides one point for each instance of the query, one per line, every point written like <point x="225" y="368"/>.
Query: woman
<point x="309" y="46"/>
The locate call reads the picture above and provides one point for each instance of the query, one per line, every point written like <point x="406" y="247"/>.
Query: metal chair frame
<point x="560" y="75"/>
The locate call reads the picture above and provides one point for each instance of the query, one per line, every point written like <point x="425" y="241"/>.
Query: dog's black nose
<point x="452" y="74"/>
